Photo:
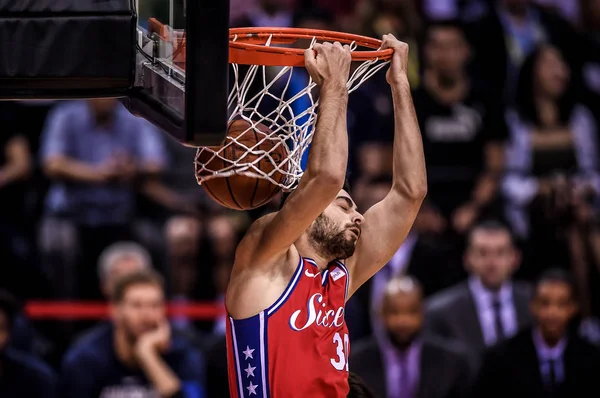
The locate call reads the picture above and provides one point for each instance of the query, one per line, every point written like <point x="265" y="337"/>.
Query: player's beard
<point x="329" y="241"/>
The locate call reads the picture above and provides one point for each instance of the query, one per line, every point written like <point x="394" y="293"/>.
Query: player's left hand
<point x="157" y="340"/>
<point x="397" y="71"/>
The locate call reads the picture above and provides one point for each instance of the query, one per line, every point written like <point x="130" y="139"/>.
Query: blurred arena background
<point x="507" y="94"/>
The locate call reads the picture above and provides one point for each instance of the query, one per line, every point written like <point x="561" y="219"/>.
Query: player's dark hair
<point x="358" y="387"/>
<point x="141" y="277"/>
<point x="286" y="195"/>
<point x="9" y="306"/>
<point x="559" y="275"/>
<point x="490" y="226"/>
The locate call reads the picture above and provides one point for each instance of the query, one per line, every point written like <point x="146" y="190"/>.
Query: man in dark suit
<point x="488" y="307"/>
<point x="546" y="360"/>
<point x="402" y="363"/>
<point x="423" y="254"/>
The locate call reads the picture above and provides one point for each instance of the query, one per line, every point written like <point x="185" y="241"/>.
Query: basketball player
<point x="296" y="268"/>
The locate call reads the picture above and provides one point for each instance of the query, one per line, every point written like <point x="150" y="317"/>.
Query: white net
<point x="288" y="111"/>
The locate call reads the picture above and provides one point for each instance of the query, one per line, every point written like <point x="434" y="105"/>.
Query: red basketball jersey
<point x="299" y="346"/>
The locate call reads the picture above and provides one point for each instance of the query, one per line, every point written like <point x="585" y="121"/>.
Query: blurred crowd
<point x="493" y="293"/>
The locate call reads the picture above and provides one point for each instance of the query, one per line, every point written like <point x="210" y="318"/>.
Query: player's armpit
<point x="272" y="236"/>
<point x="385" y="227"/>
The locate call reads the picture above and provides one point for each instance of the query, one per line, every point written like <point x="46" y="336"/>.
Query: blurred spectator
<point x="553" y="164"/>
<point x="398" y="17"/>
<point x="137" y="355"/>
<point x="546" y="361"/>
<point x="119" y="260"/>
<point x="590" y="50"/>
<point x="423" y="254"/>
<point x="217" y="381"/>
<point x="511" y="31"/>
<point x="20" y="272"/>
<point x="463" y="130"/>
<point x="21" y="375"/>
<point x="183" y="236"/>
<point x="404" y="364"/>
<point x="275" y="13"/>
<point x="96" y="152"/>
<point x="567" y="9"/>
<point x="489" y="307"/>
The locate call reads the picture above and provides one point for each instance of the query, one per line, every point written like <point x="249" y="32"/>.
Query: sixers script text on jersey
<point x="299" y="346"/>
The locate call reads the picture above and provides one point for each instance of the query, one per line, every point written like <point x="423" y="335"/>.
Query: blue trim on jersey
<point x="251" y="356"/>
<point x="324" y="277"/>
<point x="288" y="290"/>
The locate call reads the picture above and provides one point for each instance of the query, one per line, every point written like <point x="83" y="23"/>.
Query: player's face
<point x="553" y="308"/>
<point x="492" y="257"/>
<point x="403" y="317"/>
<point x="336" y="231"/>
<point x="4" y="331"/>
<point x="446" y="51"/>
<point x="141" y="310"/>
<point x="552" y="73"/>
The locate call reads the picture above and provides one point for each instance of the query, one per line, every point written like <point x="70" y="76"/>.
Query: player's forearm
<point x="410" y="177"/>
<point x="164" y="380"/>
<point x="328" y="155"/>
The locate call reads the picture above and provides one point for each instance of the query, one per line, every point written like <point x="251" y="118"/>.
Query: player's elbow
<point x="414" y="191"/>
<point x="328" y="180"/>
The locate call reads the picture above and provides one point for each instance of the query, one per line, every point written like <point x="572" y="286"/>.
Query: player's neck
<point x="307" y="250"/>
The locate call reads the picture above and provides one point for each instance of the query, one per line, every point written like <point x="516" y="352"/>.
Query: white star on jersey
<point x="252" y="388"/>
<point x="248" y="352"/>
<point x="250" y="371"/>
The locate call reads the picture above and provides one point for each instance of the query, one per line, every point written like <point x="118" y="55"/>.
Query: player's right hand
<point x="328" y="64"/>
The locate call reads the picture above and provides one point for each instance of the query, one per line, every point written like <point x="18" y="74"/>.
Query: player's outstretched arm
<point x="271" y="237"/>
<point x="388" y="222"/>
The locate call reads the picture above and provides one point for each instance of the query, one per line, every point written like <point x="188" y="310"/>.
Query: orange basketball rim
<point x="265" y="46"/>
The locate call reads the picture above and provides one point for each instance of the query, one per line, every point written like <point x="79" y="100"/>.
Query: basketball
<point x="243" y="192"/>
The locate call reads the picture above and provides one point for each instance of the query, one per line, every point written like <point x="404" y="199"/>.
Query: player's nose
<point x="358" y="218"/>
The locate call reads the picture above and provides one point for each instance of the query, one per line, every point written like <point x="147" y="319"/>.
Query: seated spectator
<point x="118" y="260"/>
<point x="137" y="355"/>
<point x="21" y="375"/>
<point x="403" y="362"/>
<point x="546" y="360"/>
<point x="508" y="34"/>
<point x="463" y="131"/>
<point x="552" y="161"/>
<point x="97" y="153"/>
<point x="489" y="306"/>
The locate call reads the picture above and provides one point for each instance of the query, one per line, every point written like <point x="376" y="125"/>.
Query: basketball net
<point x="294" y="130"/>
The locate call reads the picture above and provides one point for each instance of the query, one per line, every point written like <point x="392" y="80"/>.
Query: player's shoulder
<point x="248" y="250"/>
<point x="254" y="234"/>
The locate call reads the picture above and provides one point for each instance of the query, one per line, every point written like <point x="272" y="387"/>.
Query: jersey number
<point x="341" y="361"/>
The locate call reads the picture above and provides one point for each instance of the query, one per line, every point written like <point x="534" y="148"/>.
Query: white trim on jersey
<point x="263" y="362"/>
<point x="289" y="289"/>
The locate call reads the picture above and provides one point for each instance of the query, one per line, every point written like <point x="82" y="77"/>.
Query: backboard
<point x="182" y="68"/>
